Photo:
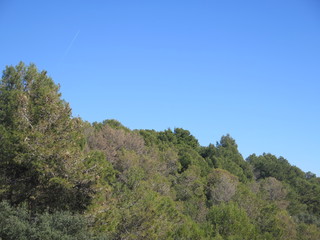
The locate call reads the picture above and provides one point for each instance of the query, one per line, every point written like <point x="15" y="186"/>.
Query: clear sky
<point x="247" y="68"/>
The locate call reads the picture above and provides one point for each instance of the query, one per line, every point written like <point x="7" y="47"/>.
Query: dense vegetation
<point x="63" y="178"/>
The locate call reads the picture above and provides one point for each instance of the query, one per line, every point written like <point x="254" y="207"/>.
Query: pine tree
<point x="41" y="157"/>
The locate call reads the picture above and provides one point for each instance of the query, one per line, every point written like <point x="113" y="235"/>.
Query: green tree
<point x="18" y="224"/>
<point x="190" y="189"/>
<point x="41" y="145"/>
<point x="304" y="191"/>
<point x="308" y="232"/>
<point x="227" y="156"/>
<point x="231" y="222"/>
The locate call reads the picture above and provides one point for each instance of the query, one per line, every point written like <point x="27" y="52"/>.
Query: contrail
<point x="71" y="43"/>
<point x="68" y="49"/>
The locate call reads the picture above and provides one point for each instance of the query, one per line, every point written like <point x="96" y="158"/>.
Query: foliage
<point x="225" y="155"/>
<point x="304" y="189"/>
<point x="40" y="143"/>
<point x="230" y="222"/>
<point x="221" y="186"/>
<point x="62" y="178"/>
<point x="19" y="224"/>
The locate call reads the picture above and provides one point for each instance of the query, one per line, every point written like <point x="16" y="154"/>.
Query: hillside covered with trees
<point x="64" y="178"/>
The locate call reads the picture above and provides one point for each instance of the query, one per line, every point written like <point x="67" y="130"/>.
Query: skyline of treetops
<point x="65" y="178"/>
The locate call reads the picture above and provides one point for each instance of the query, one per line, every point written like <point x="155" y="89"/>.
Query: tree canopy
<point x="64" y="178"/>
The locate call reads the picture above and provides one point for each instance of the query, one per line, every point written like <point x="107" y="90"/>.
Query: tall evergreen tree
<point x="40" y="143"/>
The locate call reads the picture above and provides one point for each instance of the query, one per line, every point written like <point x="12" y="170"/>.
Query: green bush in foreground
<point x="19" y="224"/>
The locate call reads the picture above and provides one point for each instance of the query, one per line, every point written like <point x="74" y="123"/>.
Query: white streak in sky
<point x="70" y="45"/>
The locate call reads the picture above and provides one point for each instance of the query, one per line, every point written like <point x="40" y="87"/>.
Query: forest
<point x="64" y="178"/>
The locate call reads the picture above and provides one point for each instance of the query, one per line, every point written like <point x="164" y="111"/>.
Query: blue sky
<point x="247" y="68"/>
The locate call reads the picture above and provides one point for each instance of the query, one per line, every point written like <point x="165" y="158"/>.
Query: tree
<point x="41" y="145"/>
<point x="190" y="190"/>
<point x="112" y="139"/>
<point x="304" y="190"/>
<point x="272" y="189"/>
<point x="17" y="224"/>
<point x="221" y="186"/>
<point x="228" y="157"/>
<point x="308" y="232"/>
<point x="231" y="222"/>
